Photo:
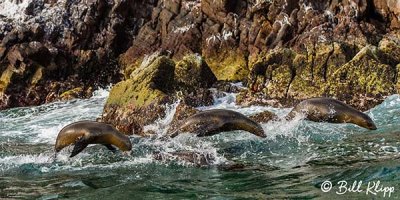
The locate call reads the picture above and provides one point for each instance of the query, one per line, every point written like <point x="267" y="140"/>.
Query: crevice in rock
<point x="312" y="63"/>
<point x="325" y="65"/>
<point x="293" y="75"/>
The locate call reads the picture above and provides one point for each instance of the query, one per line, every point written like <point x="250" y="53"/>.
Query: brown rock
<point x="183" y="111"/>
<point x="264" y="117"/>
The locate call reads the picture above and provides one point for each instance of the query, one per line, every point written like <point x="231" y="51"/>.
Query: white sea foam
<point x="42" y="123"/>
<point x="12" y="10"/>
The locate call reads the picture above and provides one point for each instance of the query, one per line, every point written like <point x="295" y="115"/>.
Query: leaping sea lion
<point x="211" y="122"/>
<point x="331" y="110"/>
<point x="83" y="133"/>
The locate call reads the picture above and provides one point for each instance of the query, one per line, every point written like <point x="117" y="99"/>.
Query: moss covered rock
<point x="146" y="84"/>
<point x="361" y="78"/>
<point x="264" y="117"/>
<point x="228" y="66"/>
<point x="78" y="92"/>
<point x="398" y="79"/>
<point x="192" y="71"/>
<point x="364" y="75"/>
<point x="140" y="100"/>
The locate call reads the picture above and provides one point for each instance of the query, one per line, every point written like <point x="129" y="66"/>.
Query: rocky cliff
<point x="61" y="49"/>
<point x="283" y="50"/>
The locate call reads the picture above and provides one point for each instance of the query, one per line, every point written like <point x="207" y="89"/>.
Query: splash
<point x="288" y="143"/>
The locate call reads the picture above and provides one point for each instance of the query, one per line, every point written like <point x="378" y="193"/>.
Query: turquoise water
<point x="294" y="160"/>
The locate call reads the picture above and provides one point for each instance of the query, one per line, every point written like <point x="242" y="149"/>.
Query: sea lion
<point x="331" y="110"/>
<point x="211" y="122"/>
<point x="83" y="133"/>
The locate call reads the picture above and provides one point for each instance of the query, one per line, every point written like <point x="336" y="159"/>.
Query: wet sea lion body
<point x="83" y="133"/>
<point x="211" y="122"/>
<point x="331" y="110"/>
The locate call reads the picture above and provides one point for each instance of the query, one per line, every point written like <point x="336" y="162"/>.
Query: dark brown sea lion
<point x="331" y="110"/>
<point x="211" y="122"/>
<point x="83" y="133"/>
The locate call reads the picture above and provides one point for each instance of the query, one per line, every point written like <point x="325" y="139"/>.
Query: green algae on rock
<point x="146" y="84"/>
<point x="264" y="117"/>
<point x="363" y="75"/>
<point x="193" y="71"/>
<point x="362" y="79"/>
<point x="142" y="98"/>
<point x="138" y="101"/>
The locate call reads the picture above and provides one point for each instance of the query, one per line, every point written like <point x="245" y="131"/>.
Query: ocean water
<point x="296" y="159"/>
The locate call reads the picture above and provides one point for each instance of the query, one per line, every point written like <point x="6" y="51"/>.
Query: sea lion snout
<point x="366" y="122"/>
<point x="372" y="126"/>
<point x="259" y="132"/>
<point x="126" y="146"/>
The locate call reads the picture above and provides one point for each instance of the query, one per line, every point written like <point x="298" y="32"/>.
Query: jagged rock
<point x="192" y="71"/>
<point x="95" y="40"/>
<point x="264" y="117"/>
<point x="288" y="77"/>
<point x="193" y="77"/>
<point x="140" y="100"/>
<point x="183" y="111"/>
<point x="84" y="41"/>
<point x="78" y="92"/>
<point x="364" y="76"/>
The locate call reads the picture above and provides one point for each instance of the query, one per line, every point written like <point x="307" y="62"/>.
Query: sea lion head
<point x="252" y="127"/>
<point x="364" y="121"/>
<point x="121" y="141"/>
<point x="66" y="138"/>
<point x="259" y="131"/>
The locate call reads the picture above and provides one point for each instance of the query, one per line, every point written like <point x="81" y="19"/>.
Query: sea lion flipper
<point x="110" y="147"/>
<point x="79" y="146"/>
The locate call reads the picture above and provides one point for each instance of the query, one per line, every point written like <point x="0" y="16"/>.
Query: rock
<point x="284" y="51"/>
<point x="363" y="81"/>
<point x="228" y="87"/>
<point x="141" y="99"/>
<point x="193" y="77"/>
<point x="228" y="65"/>
<point x="85" y="41"/>
<point x="264" y="117"/>
<point x="78" y="92"/>
<point x="183" y="111"/>
<point x="192" y="71"/>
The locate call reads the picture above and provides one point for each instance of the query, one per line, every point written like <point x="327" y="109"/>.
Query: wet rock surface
<point x="144" y="96"/>
<point x="283" y="52"/>
<point x="264" y="117"/>
<point x="50" y="47"/>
